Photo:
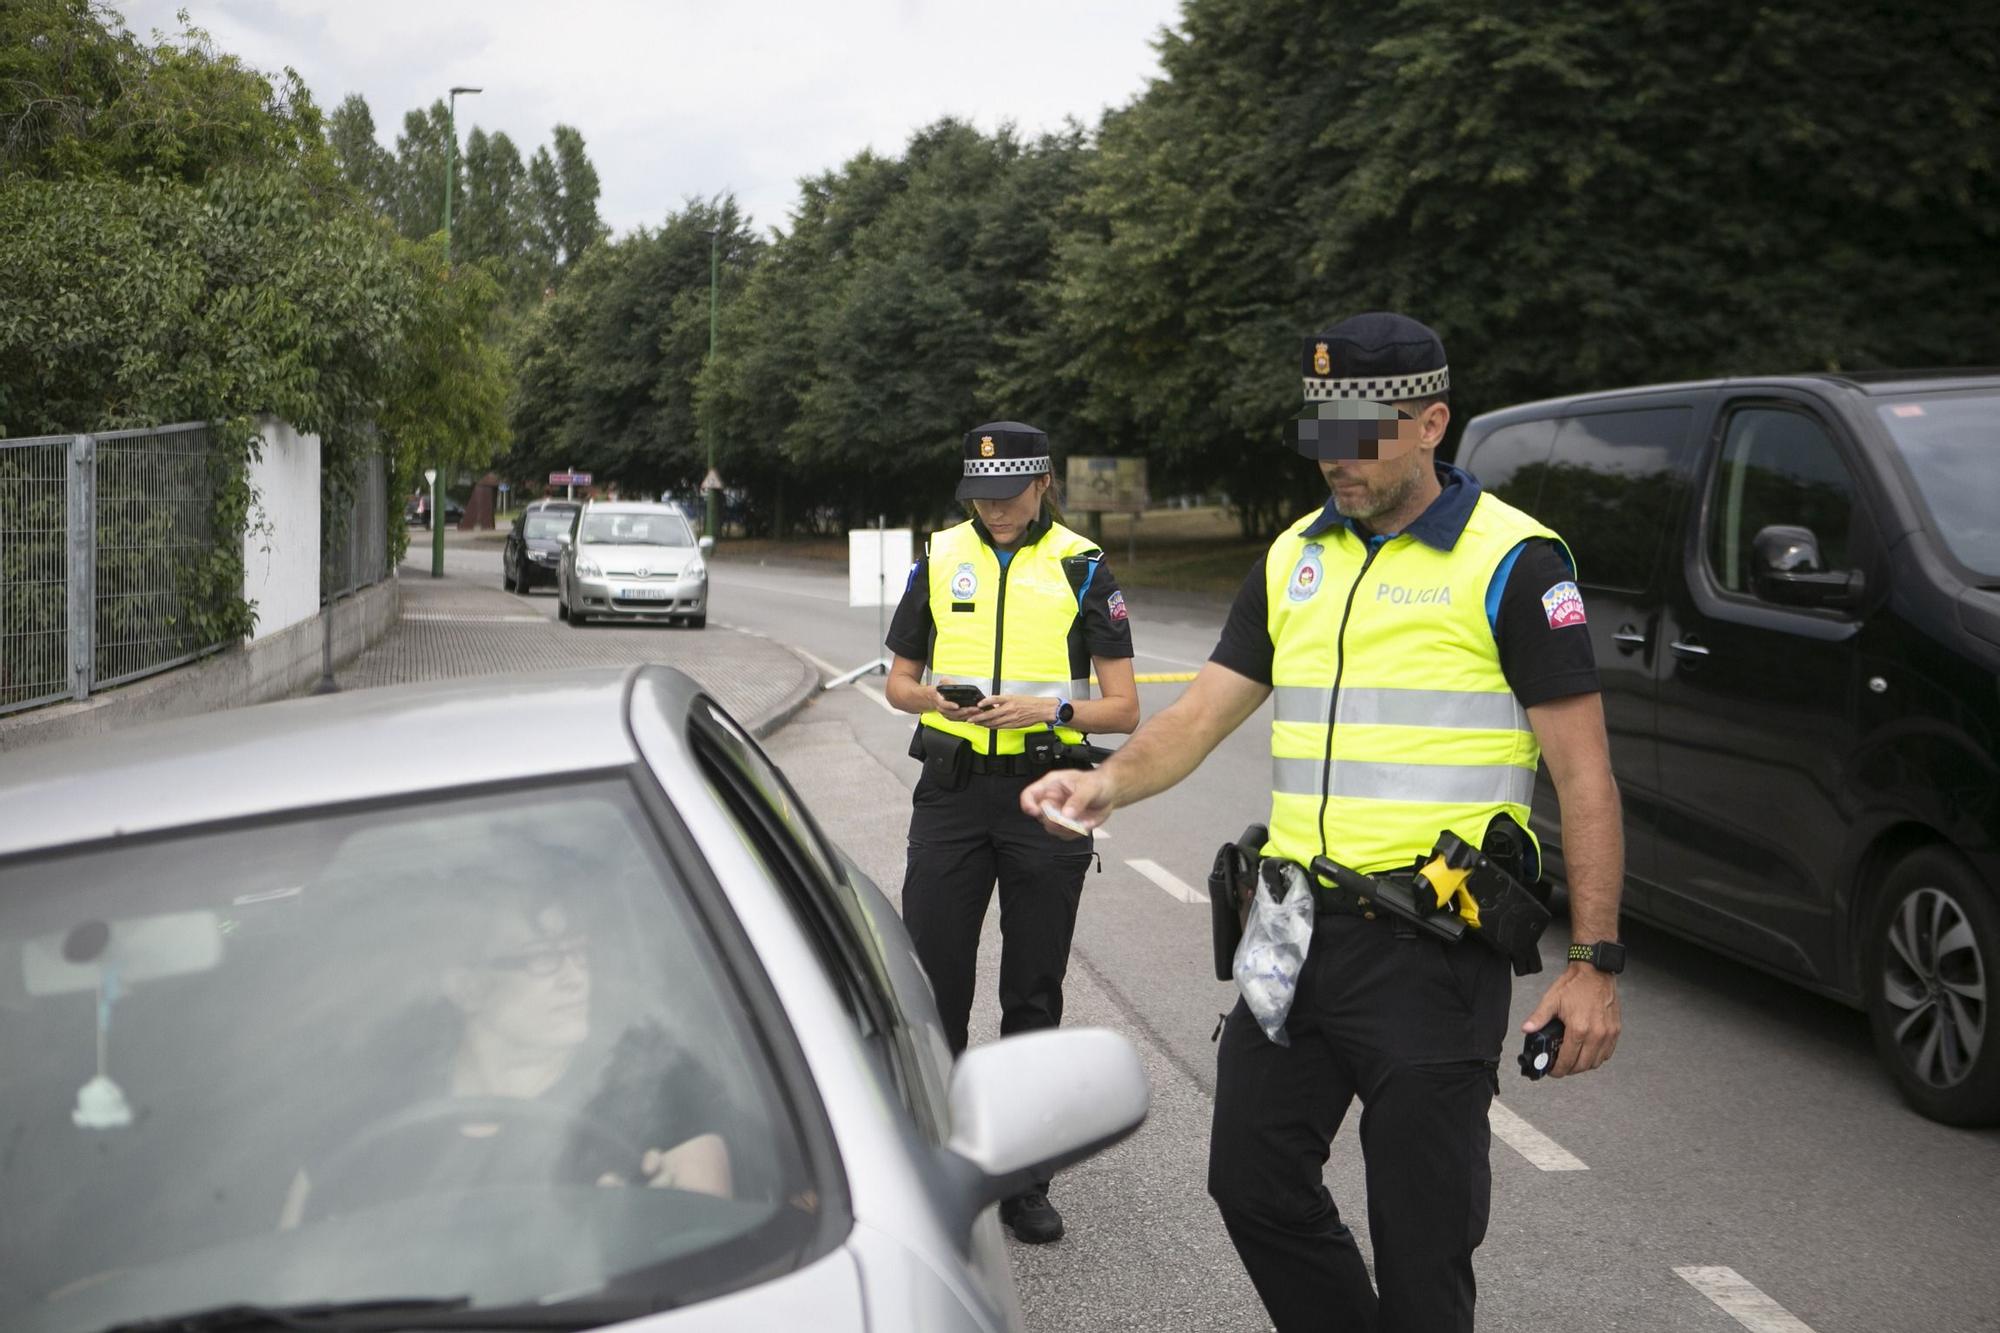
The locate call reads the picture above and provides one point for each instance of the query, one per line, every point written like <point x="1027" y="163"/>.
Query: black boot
<point x="1032" y="1218"/>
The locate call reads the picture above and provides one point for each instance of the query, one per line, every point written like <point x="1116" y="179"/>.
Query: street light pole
<point x="450" y="188"/>
<point x="714" y="524"/>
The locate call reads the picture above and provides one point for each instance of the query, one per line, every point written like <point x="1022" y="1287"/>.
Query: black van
<point x="1794" y="592"/>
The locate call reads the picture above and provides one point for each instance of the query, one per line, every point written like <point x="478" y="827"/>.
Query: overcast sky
<point x="679" y="99"/>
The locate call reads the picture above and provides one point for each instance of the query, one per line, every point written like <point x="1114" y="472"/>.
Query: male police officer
<point x="1425" y="644"/>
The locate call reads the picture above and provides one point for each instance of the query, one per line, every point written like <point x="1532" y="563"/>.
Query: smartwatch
<point x="1605" y="955"/>
<point x="1065" y="710"/>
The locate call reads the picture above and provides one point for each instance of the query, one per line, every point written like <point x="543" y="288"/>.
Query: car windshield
<point x="550" y="523"/>
<point x="1952" y="445"/>
<point x="637" y="530"/>
<point x="478" y="1047"/>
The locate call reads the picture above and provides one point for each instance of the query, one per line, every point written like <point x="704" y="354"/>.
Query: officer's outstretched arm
<point x="1164" y="750"/>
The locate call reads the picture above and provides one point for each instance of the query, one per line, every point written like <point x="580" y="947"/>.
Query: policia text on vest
<point x="1023" y="611"/>
<point x="1421" y="645"/>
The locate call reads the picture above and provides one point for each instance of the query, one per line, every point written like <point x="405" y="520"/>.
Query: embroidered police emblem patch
<point x="986" y="446"/>
<point x="1322" y="362"/>
<point x="1563" y="604"/>
<point x="965" y="583"/>
<point x="1307" y="574"/>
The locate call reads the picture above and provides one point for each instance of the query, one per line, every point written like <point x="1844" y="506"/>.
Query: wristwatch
<point x="1065" y="710"/>
<point x="1605" y="955"/>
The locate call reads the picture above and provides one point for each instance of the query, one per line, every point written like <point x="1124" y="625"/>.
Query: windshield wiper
<point x="392" y="1314"/>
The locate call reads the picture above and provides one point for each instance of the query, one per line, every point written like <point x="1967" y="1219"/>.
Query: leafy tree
<point x="364" y="164"/>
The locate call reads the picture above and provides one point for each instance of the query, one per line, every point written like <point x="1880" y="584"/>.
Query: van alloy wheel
<point x="1935" y="979"/>
<point x="1932" y="950"/>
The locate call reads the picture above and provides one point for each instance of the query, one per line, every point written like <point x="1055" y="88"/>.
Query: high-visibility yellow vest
<point x="1004" y="630"/>
<point x="1392" y="719"/>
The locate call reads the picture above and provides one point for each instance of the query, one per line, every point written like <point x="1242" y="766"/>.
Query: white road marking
<point x="818" y="661"/>
<point x="1734" y="1295"/>
<point x="1175" y="887"/>
<point x="1531" y="1143"/>
<point x="1176" y="661"/>
<point x="879" y="698"/>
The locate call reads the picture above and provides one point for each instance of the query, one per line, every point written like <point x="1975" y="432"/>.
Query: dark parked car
<point x="534" y="545"/>
<point x="1793" y="587"/>
<point x="359" y="1011"/>
<point x="417" y="511"/>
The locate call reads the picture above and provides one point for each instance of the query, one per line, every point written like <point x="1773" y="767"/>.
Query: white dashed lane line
<point x="1540" y="1150"/>
<point x="1735" y="1297"/>
<point x="1175" y="887"/>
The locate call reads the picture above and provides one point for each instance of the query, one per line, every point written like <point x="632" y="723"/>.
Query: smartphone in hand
<point x="963" y="696"/>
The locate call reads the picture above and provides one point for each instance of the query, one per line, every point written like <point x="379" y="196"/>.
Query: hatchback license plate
<point x="645" y="594"/>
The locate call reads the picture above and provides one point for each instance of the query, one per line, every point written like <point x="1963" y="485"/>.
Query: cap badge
<point x="986" y="446"/>
<point x="1322" y="363"/>
<point x="1306" y="574"/>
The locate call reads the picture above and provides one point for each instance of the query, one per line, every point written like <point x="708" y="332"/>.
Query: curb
<point x="806" y="691"/>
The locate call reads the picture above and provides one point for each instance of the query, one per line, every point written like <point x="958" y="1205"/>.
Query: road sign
<point x="1107" y="485"/>
<point x="713" y="481"/>
<point x="569" y="479"/>
<point x="430" y="476"/>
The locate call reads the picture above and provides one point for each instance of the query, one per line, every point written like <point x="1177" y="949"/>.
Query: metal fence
<point x="35" y="560"/>
<point x="97" y="535"/>
<point x="357" y="542"/>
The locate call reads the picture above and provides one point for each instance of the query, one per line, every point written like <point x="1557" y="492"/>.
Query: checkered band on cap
<point x="1387" y="389"/>
<point x="1006" y="467"/>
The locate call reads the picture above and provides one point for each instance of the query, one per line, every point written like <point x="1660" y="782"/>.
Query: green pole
<point x="714" y="524"/>
<point x="450" y="182"/>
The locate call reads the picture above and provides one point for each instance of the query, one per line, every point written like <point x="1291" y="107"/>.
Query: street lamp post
<point x="714" y="525"/>
<point x="450" y="188"/>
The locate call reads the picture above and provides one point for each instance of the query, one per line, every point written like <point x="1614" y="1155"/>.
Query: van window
<point x="1511" y="461"/>
<point x="1609" y="490"/>
<point x="1777" y="466"/>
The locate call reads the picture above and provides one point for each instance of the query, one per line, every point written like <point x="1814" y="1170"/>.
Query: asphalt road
<point x="1741" y="1163"/>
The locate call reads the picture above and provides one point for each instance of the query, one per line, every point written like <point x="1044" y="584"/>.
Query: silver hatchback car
<point x="379" y="1011"/>
<point x="633" y="560"/>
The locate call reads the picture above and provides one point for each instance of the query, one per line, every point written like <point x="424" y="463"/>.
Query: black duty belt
<point x="1012" y="765"/>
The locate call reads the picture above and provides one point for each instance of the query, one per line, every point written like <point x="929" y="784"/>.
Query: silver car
<point x="633" y="560"/>
<point x="513" y="1003"/>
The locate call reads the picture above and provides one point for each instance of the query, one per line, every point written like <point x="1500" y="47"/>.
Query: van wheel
<point x="1933" y="962"/>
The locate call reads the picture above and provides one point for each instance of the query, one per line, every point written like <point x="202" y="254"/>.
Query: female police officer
<point x="1012" y="608"/>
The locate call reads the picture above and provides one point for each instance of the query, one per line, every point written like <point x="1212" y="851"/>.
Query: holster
<point x="1045" y="749"/>
<point x="1505" y="916"/>
<point x="1231" y="881"/>
<point x="947" y="758"/>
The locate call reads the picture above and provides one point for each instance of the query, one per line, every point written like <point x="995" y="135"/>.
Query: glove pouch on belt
<point x="1272" y="951"/>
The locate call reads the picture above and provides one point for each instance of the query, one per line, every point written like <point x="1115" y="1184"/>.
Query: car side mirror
<point x="1787" y="569"/>
<point x="1038" y="1102"/>
<point x="706" y="544"/>
<point x="562" y="539"/>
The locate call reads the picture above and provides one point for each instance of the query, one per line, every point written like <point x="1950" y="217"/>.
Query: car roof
<point x="634" y="507"/>
<point x="1874" y="383"/>
<point x="360" y="745"/>
<point x="555" y="504"/>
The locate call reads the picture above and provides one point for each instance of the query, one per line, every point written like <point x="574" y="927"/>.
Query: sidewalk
<point x="454" y="627"/>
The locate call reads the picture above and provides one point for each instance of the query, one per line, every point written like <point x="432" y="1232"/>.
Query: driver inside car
<point x="520" y="1093"/>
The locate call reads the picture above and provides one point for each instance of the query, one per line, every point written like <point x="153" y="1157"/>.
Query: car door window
<point x="806" y="867"/>
<point x="1512" y="461"/>
<point x="1609" y="489"/>
<point x="1778" y="466"/>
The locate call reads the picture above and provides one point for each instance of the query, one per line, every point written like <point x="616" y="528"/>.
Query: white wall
<point x="281" y="540"/>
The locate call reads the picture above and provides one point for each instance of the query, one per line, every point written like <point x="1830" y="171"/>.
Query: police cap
<point x="1001" y="458"/>
<point x="1355" y="373"/>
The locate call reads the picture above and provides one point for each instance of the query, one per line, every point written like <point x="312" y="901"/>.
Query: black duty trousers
<point x="1413" y="1027"/>
<point x="962" y="842"/>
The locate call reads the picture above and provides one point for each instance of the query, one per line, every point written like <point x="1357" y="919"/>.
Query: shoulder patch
<point x="1116" y="606"/>
<point x="1563" y="604"/>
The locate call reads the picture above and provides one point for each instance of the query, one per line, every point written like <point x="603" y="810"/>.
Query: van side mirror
<point x="562" y="539"/>
<point x="706" y="544"/>
<point x="1787" y="569"/>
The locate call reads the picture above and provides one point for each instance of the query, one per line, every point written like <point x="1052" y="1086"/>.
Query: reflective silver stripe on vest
<point x="1466" y="710"/>
<point x="1033" y="689"/>
<point x="1431" y="784"/>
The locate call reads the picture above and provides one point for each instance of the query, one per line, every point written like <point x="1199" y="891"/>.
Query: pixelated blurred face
<point x="531" y="985"/>
<point x="1008" y="519"/>
<point x="1373" y="456"/>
